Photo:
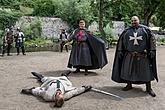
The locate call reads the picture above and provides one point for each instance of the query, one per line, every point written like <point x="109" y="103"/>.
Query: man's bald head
<point x="134" y="21"/>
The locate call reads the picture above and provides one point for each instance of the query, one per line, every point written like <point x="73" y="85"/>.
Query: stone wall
<point x="117" y="28"/>
<point x="51" y="27"/>
<point x="94" y="27"/>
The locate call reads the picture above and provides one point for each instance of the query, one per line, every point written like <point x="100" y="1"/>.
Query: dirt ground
<point x="15" y="74"/>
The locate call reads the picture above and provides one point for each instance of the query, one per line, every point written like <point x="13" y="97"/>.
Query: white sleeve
<point x="72" y="93"/>
<point x="38" y="91"/>
<point x="22" y="33"/>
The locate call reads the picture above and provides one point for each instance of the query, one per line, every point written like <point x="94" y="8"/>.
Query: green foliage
<point x="72" y="11"/>
<point x="97" y="34"/>
<point x="108" y="32"/>
<point x="38" y="42"/>
<point x="26" y="29"/>
<point x="6" y="2"/>
<point x="36" y="28"/>
<point x="44" y="8"/>
<point x="33" y="30"/>
<point x="26" y="3"/>
<point x="160" y="15"/>
<point x="26" y="10"/>
<point x="160" y="41"/>
<point x="1" y="34"/>
<point x="54" y="39"/>
<point x="8" y="19"/>
<point x="69" y="10"/>
<point x="77" y="12"/>
<point x="123" y="10"/>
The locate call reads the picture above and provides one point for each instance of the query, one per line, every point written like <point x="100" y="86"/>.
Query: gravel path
<point x="15" y="75"/>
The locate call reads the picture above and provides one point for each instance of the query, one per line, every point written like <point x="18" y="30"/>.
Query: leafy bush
<point x="70" y="11"/>
<point x="108" y="32"/>
<point x="26" y="10"/>
<point x="26" y="29"/>
<point x="38" y="42"/>
<point x="8" y="19"/>
<point x="36" y="28"/>
<point x="33" y="30"/>
<point x="54" y="39"/>
<point x="1" y="34"/>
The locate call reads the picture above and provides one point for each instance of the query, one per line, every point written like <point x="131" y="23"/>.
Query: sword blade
<point x="106" y="93"/>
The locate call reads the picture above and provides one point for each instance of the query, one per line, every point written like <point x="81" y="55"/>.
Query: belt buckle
<point x="135" y="53"/>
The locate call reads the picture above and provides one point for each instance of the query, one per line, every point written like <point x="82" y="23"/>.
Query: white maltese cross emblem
<point x="135" y="38"/>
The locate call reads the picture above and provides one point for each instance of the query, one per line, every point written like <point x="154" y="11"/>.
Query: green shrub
<point x="27" y="31"/>
<point x="108" y="32"/>
<point x="1" y="35"/>
<point x="161" y="40"/>
<point x="36" y="28"/>
<point x="39" y="42"/>
<point x="33" y="30"/>
<point x="8" y="19"/>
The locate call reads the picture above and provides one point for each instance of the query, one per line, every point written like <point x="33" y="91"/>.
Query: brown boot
<point x="128" y="87"/>
<point x="149" y="90"/>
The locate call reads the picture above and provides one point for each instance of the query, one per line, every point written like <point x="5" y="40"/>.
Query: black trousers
<point x="23" y="50"/>
<point x="8" y="48"/>
<point x="62" y="45"/>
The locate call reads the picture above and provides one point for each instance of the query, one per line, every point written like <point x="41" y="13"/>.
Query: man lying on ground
<point x="57" y="89"/>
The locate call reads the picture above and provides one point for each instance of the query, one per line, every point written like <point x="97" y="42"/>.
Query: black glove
<point x="66" y="74"/>
<point x="120" y="53"/>
<point x="87" y="88"/>
<point x="152" y="54"/>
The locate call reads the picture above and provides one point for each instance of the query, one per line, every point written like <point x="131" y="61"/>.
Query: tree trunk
<point x="101" y="14"/>
<point x="147" y="17"/>
<point x="149" y="12"/>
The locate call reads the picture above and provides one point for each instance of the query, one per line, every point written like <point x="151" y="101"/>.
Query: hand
<point x="152" y="54"/>
<point x="87" y="88"/>
<point x="120" y="54"/>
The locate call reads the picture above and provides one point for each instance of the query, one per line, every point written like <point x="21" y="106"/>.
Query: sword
<point x="106" y="93"/>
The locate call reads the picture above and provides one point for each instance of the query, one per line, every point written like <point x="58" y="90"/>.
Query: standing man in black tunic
<point x="88" y="52"/>
<point x="135" y="58"/>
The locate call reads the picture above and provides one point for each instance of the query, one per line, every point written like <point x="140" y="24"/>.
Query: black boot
<point x="66" y="74"/>
<point x="27" y="91"/>
<point x="23" y="51"/>
<point x="8" y="50"/>
<point x="66" y="47"/>
<point x="149" y="90"/>
<point x="86" y="71"/>
<point x="17" y="50"/>
<point x="39" y="76"/>
<point x="128" y="87"/>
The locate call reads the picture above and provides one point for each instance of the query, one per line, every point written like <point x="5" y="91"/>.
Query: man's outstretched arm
<point x="76" y="92"/>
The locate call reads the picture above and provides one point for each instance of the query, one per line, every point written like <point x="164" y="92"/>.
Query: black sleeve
<point x="60" y="36"/>
<point x="152" y="43"/>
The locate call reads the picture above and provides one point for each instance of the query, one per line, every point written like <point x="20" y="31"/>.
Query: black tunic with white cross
<point x="135" y="39"/>
<point x="131" y="60"/>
